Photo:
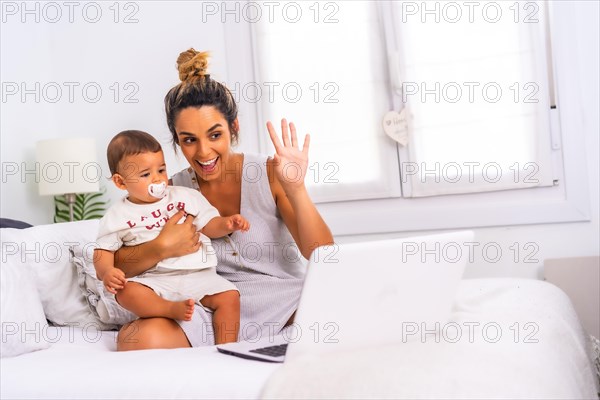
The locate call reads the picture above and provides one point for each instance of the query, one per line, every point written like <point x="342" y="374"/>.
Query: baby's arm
<point x="113" y="278"/>
<point x="222" y="226"/>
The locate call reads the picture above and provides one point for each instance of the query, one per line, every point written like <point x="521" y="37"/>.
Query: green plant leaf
<point x="87" y="206"/>
<point x="92" y="196"/>
<point x="78" y="208"/>
<point x="61" y="216"/>
<point x="59" y="200"/>
<point x="94" y="210"/>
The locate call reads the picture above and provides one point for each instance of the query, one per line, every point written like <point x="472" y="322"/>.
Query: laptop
<point x="369" y="293"/>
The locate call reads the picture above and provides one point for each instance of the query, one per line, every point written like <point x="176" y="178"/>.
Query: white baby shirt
<point x="129" y="224"/>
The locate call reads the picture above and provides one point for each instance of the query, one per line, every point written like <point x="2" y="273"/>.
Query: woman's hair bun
<point x="192" y="65"/>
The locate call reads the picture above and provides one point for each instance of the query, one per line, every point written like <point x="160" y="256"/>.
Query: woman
<point x="263" y="263"/>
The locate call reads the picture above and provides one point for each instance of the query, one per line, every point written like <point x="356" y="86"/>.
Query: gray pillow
<point x="13" y="223"/>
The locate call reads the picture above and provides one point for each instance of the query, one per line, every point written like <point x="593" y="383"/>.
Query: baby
<point x="172" y="287"/>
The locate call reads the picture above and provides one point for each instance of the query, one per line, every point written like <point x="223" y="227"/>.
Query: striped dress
<point x="263" y="263"/>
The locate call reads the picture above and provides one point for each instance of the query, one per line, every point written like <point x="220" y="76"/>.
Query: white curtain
<point x="328" y="71"/>
<point x="477" y="94"/>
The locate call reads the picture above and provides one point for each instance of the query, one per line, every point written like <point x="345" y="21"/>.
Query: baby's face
<point x="137" y="172"/>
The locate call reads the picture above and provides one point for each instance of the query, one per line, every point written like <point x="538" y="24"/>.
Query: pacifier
<point x="157" y="190"/>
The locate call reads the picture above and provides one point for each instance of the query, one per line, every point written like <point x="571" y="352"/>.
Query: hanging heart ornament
<point x="395" y="125"/>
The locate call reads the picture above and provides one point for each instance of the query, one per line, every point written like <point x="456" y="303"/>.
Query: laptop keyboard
<point x="273" y="351"/>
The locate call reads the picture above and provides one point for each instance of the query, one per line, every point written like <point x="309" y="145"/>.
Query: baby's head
<point x="137" y="164"/>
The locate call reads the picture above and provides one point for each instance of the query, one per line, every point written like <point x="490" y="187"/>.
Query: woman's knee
<point x="151" y="333"/>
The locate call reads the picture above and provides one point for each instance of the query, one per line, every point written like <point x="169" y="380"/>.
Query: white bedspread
<point x="80" y="365"/>
<point x="548" y="359"/>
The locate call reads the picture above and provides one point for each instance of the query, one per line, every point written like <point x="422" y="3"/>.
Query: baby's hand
<point x="114" y="280"/>
<point x="238" y="223"/>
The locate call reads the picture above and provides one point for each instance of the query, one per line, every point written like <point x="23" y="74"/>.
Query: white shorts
<point x="181" y="284"/>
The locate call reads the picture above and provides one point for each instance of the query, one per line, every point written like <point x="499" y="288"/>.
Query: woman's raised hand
<point x="175" y="239"/>
<point x="290" y="162"/>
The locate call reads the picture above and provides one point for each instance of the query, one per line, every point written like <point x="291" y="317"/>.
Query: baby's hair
<point x="129" y="143"/>
<point x="197" y="89"/>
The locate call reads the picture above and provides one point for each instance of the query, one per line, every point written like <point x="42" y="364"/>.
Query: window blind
<point x="329" y="74"/>
<point x="477" y="96"/>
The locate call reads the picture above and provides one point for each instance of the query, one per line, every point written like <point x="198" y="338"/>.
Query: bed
<point x="507" y="338"/>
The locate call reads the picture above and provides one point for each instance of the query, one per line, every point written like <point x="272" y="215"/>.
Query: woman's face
<point x="205" y="140"/>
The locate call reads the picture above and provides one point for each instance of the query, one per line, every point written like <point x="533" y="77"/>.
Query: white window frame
<point x="569" y="201"/>
<point x="359" y="191"/>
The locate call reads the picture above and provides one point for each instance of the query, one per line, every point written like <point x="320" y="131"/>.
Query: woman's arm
<point x="174" y="240"/>
<point x="299" y="213"/>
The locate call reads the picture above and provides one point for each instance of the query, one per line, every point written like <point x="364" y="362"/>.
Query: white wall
<point x="144" y="53"/>
<point x="101" y="53"/>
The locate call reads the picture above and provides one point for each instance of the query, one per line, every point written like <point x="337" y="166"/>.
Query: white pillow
<point x="101" y="301"/>
<point x="45" y="249"/>
<point x="21" y="313"/>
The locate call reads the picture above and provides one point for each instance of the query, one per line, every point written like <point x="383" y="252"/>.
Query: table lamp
<point x="67" y="167"/>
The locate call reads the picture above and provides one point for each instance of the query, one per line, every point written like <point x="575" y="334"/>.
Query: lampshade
<point x="67" y="166"/>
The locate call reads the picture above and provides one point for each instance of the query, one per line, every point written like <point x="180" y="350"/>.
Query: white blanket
<point x="526" y="342"/>
<point x="81" y="365"/>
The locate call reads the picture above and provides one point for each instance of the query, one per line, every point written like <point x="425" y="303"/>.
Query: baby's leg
<point x="145" y="303"/>
<point x="226" y="316"/>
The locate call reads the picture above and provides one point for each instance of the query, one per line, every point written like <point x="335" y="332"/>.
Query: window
<point x="474" y="86"/>
<point x="474" y="89"/>
<point x="337" y="71"/>
<point x="328" y="72"/>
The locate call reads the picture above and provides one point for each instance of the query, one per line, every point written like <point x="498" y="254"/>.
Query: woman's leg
<point x="145" y="303"/>
<point x="151" y="333"/>
<point x="226" y="315"/>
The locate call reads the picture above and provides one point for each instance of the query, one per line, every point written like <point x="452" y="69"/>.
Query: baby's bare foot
<point x="182" y="310"/>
